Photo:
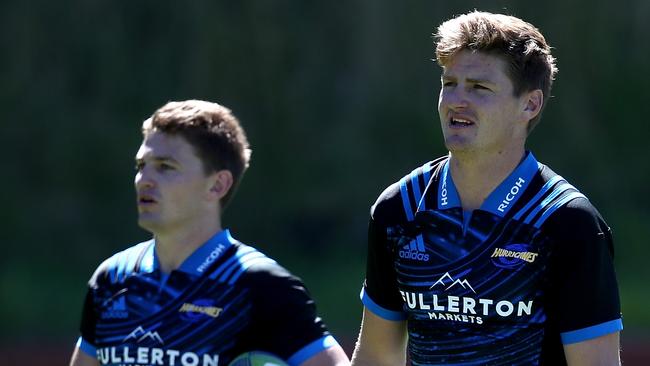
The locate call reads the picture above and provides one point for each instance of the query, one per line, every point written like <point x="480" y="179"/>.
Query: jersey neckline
<point x="199" y="260"/>
<point x="501" y="199"/>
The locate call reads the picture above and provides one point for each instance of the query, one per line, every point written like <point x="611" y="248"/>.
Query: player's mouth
<point x="146" y="200"/>
<point x="460" y="122"/>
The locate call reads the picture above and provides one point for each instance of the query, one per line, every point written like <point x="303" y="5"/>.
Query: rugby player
<point x="486" y="256"/>
<point x="193" y="294"/>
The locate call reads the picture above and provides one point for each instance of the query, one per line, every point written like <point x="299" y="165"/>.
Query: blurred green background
<point x="339" y="100"/>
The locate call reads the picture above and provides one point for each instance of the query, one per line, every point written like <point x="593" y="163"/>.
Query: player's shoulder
<point x="248" y="265"/>
<point x="573" y="214"/>
<point x="124" y="263"/>
<point x="400" y="199"/>
<point x="263" y="275"/>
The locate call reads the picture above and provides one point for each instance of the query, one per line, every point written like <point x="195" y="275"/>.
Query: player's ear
<point x="533" y="103"/>
<point x="220" y="184"/>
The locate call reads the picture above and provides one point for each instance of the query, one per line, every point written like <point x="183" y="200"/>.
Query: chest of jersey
<point x="462" y="280"/>
<point x="143" y="320"/>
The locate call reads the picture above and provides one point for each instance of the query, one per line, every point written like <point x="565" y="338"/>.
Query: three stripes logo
<point x="415" y="250"/>
<point x="117" y="308"/>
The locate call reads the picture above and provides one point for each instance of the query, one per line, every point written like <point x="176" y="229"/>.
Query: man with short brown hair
<point x="486" y="256"/>
<point x="194" y="295"/>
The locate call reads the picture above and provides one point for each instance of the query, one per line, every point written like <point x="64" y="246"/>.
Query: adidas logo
<point x="415" y="250"/>
<point x="119" y="304"/>
<point x="116" y="310"/>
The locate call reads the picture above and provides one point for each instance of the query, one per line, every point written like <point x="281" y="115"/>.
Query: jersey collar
<point x="504" y="196"/>
<point x="198" y="261"/>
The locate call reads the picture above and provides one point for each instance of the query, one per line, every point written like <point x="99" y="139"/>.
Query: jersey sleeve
<point x="284" y="316"/>
<point x="380" y="294"/>
<point x="585" y="299"/>
<point x="86" y="341"/>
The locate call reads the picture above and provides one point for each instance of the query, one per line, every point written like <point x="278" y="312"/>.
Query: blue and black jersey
<point x="508" y="283"/>
<point x="225" y="299"/>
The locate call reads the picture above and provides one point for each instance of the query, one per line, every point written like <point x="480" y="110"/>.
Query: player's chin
<point x="148" y="222"/>
<point x="457" y="144"/>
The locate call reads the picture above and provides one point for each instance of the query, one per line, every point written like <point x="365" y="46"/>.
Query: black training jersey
<point x="225" y="299"/>
<point x="507" y="284"/>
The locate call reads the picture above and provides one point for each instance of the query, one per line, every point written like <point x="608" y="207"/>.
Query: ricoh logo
<point x="211" y="258"/>
<point x="141" y="356"/>
<point x="443" y="193"/>
<point x="414" y="250"/>
<point x="513" y="256"/>
<point x="463" y="309"/>
<point x="514" y="190"/>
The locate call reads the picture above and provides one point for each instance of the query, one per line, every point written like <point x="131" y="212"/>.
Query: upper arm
<point x="286" y="320"/>
<point x="332" y="356"/>
<point x="381" y="342"/>
<point x="584" y="299"/>
<point x="80" y="358"/>
<point x="603" y="350"/>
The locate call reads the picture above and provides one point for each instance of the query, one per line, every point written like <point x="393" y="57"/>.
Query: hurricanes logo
<point x="200" y="309"/>
<point x="513" y="256"/>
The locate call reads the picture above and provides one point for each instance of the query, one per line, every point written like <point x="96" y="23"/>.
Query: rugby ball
<point x="257" y="358"/>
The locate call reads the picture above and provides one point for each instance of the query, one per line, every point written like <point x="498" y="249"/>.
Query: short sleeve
<point x="87" y="328"/>
<point x="585" y="299"/>
<point x="284" y="316"/>
<point x="380" y="294"/>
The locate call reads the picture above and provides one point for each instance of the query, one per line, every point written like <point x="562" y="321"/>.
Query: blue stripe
<point x="539" y="194"/>
<point x="247" y="265"/>
<point x="416" y="186"/>
<point x="405" y="199"/>
<point x="420" y="243"/>
<point x="427" y="177"/>
<point x="595" y="331"/>
<point x="378" y="310"/>
<point x="86" y="347"/>
<point x="311" y="349"/>
<point x="557" y="205"/>
<point x="231" y="262"/>
<point x="238" y="264"/>
<point x="561" y="188"/>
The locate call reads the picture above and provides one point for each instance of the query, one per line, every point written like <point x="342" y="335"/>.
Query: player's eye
<point x="138" y="166"/>
<point x="165" y="167"/>
<point x="448" y="83"/>
<point x="481" y="87"/>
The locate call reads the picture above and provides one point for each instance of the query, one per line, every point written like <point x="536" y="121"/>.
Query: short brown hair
<point x="215" y="133"/>
<point x="520" y="44"/>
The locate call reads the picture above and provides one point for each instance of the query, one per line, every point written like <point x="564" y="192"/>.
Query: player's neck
<point x="477" y="175"/>
<point x="173" y="247"/>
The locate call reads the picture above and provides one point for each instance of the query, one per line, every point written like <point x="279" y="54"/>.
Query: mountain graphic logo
<point x="447" y="279"/>
<point x="415" y="250"/>
<point x="139" y="334"/>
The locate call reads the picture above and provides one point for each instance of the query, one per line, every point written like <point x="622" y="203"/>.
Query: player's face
<point x="172" y="188"/>
<point x="478" y="110"/>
